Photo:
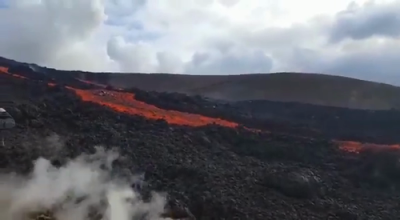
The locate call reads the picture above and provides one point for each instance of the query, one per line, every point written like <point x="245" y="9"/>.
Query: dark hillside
<point x="287" y="87"/>
<point x="215" y="160"/>
<point x="378" y="126"/>
<point x="319" y="89"/>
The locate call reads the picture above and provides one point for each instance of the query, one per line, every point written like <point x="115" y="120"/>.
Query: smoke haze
<point x="79" y="190"/>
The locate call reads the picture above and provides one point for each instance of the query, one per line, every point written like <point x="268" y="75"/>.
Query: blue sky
<point x="4" y="3"/>
<point x="350" y="38"/>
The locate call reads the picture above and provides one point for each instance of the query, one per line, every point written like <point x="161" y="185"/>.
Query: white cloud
<point x="356" y="38"/>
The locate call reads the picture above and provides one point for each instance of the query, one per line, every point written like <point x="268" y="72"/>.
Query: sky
<point x="358" y="39"/>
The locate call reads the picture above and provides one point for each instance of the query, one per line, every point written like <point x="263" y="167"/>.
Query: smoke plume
<point x="81" y="189"/>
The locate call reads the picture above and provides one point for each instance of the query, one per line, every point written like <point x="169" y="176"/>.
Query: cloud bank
<point x="351" y="38"/>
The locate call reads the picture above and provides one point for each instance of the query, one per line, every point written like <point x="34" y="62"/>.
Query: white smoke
<point x="79" y="189"/>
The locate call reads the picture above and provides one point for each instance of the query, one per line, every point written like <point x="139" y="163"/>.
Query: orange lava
<point x="5" y="70"/>
<point x="356" y="147"/>
<point x="126" y="103"/>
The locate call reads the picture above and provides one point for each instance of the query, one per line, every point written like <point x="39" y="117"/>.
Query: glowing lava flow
<point x="5" y="70"/>
<point x="125" y="102"/>
<point x="356" y="147"/>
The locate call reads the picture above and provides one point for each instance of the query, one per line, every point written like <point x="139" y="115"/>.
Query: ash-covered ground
<point x="166" y="163"/>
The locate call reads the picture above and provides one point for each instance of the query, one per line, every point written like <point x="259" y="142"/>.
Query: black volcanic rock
<point x="214" y="172"/>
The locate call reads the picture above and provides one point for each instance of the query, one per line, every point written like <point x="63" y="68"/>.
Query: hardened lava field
<point x="214" y="160"/>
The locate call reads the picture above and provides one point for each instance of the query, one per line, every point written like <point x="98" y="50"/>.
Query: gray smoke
<point x="83" y="186"/>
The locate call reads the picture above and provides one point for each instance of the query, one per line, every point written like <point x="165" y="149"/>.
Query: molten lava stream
<point x="356" y="147"/>
<point x="126" y="103"/>
<point x="5" y="70"/>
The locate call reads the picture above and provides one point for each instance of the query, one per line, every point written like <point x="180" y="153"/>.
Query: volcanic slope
<point x="294" y="118"/>
<point x="211" y="168"/>
<point x="319" y="89"/>
<point x="327" y="90"/>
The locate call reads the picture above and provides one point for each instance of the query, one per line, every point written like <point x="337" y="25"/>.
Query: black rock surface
<point x="217" y="172"/>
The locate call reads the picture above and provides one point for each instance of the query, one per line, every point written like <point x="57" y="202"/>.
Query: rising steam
<point x="82" y="189"/>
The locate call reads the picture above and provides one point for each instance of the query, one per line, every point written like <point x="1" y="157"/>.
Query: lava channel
<point x="5" y="70"/>
<point x="357" y="147"/>
<point x="126" y="103"/>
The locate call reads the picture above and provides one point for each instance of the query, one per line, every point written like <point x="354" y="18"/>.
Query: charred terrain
<point x="214" y="159"/>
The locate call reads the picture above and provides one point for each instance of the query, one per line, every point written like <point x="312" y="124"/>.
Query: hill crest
<point x="310" y="88"/>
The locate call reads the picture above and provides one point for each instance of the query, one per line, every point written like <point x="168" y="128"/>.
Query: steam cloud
<point x="82" y="187"/>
